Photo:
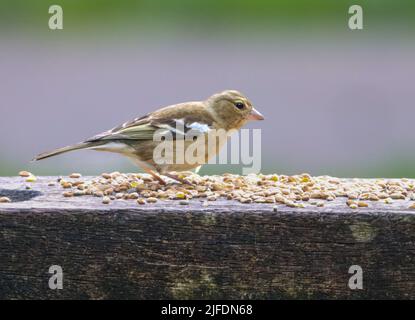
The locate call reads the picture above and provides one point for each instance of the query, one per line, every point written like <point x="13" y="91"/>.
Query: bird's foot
<point x="155" y="176"/>
<point x="177" y="178"/>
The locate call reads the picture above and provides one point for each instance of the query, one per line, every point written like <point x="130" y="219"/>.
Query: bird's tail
<point x="82" y="145"/>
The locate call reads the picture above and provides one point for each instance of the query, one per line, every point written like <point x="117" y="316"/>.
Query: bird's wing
<point x="144" y="128"/>
<point x="137" y="129"/>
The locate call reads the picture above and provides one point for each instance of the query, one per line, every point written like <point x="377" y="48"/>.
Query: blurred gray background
<point x="336" y="101"/>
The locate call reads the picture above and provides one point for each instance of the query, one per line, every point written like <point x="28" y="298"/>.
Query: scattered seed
<point x="305" y="197"/>
<point x="98" y="194"/>
<point x="31" y="178"/>
<point x="106" y="200"/>
<point x="66" y="185"/>
<point x="25" y="174"/>
<point x="274" y="178"/>
<point x="213" y="198"/>
<point x="133" y="196"/>
<point x="350" y="202"/>
<point x="180" y="195"/>
<point x="397" y="195"/>
<point x="293" y="191"/>
<point x="353" y="195"/>
<point x="374" y="197"/>
<point x="5" y="200"/>
<point x="68" y="194"/>
<point x="141" y="201"/>
<point x="269" y="200"/>
<point x="184" y="202"/>
<point x="108" y="192"/>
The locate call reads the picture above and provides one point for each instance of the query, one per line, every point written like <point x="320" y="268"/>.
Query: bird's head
<point x="232" y="109"/>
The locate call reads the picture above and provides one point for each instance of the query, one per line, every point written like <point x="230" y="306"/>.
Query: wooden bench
<point x="226" y="250"/>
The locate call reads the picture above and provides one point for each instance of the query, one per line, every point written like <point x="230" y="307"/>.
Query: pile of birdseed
<point x="294" y="191"/>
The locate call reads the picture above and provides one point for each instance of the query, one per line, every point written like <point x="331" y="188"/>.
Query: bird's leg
<point x="150" y="172"/>
<point x="155" y="176"/>
<point x="177" y="178"/>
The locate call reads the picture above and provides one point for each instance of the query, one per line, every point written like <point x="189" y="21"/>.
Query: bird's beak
<point x="255" y="115"/>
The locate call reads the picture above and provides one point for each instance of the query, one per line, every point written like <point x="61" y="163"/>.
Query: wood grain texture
<point x="226" y="250"/>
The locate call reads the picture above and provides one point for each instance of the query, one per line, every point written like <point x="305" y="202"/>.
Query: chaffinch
<point x="226" y="111"/>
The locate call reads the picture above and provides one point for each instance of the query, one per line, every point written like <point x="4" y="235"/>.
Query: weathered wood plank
<point x="225" y="250"/>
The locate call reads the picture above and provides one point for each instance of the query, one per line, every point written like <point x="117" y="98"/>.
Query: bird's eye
<point x="239" y="105"/>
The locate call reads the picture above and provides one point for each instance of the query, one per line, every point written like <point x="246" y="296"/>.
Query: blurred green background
<point x="336" y="101"/>
<point x="206" y="15"/>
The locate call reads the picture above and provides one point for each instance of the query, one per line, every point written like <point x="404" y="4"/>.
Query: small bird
<point x="227" y="111"/>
